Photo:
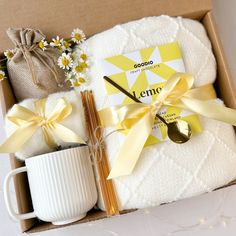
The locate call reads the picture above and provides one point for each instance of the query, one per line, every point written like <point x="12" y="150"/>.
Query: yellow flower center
<point x="77" y="36"/>
<point x="41" y="45"/>
<point x="66" y="44"/>
<point x="83" y="65"/>
<point x="76" y="84"/>
<point x="65" y="61"/>
<point x="10" y="54"/>
<point x="83" y="56"/>
<point x="56" y="42"/>
<point x="2" y="77"/>
<point x="81" y="80"/>
<point x="78" y="69"/>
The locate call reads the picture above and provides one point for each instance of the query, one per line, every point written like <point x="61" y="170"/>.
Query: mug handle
<point x="11" y="211"/>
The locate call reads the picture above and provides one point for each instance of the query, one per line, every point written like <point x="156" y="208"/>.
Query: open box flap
<point x="61" y="17"/>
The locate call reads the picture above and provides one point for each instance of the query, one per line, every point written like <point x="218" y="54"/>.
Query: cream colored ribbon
<point x="28" y="122"/>
<point x="139" y="118"/>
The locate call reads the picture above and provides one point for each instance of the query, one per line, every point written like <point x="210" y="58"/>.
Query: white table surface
<point x="205" y="215"/>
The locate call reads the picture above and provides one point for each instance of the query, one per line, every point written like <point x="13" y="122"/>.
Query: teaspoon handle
<point x="162" y="119"/>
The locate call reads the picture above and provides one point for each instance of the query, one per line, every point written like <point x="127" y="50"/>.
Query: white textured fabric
<point x="75" y="121"/>
<point x="166" y="172"/>
<point x="149" y="32"/>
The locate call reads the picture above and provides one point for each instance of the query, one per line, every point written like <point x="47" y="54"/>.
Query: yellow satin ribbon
<point x="139" y="118"/>
<point x="28" y="122"/>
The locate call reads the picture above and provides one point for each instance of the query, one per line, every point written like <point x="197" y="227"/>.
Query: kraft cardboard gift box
<point x="61" y="17"/>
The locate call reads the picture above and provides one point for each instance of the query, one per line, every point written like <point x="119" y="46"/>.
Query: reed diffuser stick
<point x="95" y="133"/>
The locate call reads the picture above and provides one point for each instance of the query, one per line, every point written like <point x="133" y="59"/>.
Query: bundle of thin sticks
<point x="95" y="133"/>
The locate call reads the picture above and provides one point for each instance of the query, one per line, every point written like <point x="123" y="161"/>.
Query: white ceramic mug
<point x="62" y="186"/>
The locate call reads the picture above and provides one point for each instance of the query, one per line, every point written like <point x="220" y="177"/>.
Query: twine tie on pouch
<point x="41" y="55"/>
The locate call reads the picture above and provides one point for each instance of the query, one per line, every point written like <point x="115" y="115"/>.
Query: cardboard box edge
<point x="224" y="77"/>
<point x="5" y="105"/>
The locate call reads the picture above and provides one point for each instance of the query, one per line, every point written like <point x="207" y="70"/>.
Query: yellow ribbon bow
<point x="28" y="122"/>
<point x="139" y="118"/>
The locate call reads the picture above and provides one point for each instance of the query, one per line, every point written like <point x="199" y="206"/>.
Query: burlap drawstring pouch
<point x="33" y="72"/>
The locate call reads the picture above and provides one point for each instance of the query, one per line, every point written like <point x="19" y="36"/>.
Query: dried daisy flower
<point x="77" y="69"/>
<point x="43" y="44"/>
<point x="81" y="52"/>
<point x="81" y="67"/>
<point x="2" y="75"/>
<point x="79" y="80"/>
<point x="56" y="42"/>
<point x="78" y="36"/>
<point x="65" y="45"/>
<point x="65" y="61"/>
<point x="76" y="66"/>
<point x="84" y="65"/>
<point x="83" y="57"/>
<point x="9" y="53"/>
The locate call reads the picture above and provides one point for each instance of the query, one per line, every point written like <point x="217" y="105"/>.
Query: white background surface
<point x="206" y="215"/>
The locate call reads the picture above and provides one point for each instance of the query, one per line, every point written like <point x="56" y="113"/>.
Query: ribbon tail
<point x="19" y="115"/>
<point x="48" y="137"/>
<point x="18" y="139"/>
<point x="133" y="145"/>
<point x="211" y="110"/>
<point x="66" y="134"/>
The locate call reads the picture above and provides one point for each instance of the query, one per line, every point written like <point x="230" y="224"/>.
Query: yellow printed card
<point x="143" y="73"/>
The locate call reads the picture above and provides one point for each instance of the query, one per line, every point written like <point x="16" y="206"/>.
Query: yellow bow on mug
<point x="28" y="122"/>
<point x="139" y="118"/>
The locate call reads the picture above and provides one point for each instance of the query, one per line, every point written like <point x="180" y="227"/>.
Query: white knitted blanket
<point x="166" y="172"/>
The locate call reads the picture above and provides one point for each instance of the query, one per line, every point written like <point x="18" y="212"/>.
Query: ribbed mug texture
<point x="62" y="185"/>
